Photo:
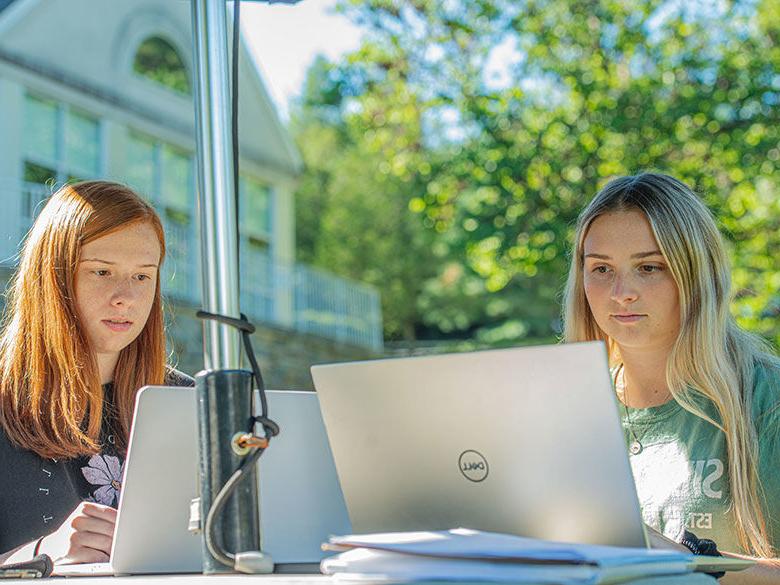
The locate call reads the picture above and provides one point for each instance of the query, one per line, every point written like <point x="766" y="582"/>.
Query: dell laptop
<point x="523" y="441"/>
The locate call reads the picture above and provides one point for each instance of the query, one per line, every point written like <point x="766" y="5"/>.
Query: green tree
<point x="597" y="88"/>
<point x="353" y="216"/>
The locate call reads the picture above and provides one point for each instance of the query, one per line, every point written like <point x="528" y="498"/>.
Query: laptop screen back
<point x="301" y="503"/>
<point x="525" y="441"/>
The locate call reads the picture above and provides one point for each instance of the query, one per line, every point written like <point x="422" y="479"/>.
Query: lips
<point x="628" y="317"/>
<point x="118" y="325"/>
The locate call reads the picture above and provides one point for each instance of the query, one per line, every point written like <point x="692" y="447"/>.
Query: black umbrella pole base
<point x="224" y="409"/>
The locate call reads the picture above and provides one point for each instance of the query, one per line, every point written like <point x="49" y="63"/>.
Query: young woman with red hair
<point x="83" y="331"/>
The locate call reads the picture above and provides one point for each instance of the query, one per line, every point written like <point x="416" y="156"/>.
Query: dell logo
<point x="473" y="465"/>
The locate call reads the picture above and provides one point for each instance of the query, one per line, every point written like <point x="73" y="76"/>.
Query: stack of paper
<point x="470" y="555"/>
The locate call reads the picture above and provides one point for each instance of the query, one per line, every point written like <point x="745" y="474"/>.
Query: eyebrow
<point x="637" y="255"/>
<point x="114" y="263"/>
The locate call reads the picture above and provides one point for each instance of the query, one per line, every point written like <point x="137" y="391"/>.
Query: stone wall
<point x="284" y="355"/>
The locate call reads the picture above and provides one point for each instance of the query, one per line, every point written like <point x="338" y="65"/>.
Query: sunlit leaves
<point x="495" y="174"/>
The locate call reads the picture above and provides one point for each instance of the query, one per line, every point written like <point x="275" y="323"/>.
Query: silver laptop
<point x="523" y="441"/>
<point x="301" y="503"/>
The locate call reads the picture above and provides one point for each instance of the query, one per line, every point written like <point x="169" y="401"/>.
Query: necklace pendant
<point x="635" y="448"/>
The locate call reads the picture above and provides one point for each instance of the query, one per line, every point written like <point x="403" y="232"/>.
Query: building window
<point x="141" y="167"/>
<point x="158" y="60"/>
<point x="41" y="129"/>
<point x="255" y="201"/>
<point x="82" y="145"/>
<point x="164" y="174"/>
<point x="59" y="143"/>
<point x="177" y="183"/>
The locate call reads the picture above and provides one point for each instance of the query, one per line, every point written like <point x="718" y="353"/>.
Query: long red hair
<point x="51" y="398"/>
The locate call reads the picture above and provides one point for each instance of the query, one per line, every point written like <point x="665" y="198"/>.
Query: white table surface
<point x="280" y="579"/>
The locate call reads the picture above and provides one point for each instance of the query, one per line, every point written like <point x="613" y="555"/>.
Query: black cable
<point x="218" y="504"/>
<point x="270" y="428"/>
<point x="246" y="328"/>
<point x="702" y="546"/>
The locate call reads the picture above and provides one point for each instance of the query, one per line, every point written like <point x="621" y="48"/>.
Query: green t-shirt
<point x="681" y="472"/>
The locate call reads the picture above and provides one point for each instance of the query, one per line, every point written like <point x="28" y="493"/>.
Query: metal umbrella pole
<point x="224" y="390"/>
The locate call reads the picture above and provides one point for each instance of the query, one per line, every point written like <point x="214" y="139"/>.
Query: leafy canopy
<point x="447" y="159"/>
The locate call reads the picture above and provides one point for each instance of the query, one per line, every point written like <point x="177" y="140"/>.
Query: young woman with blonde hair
<point x="83" y="331"/>
<point x="700" y="397"/>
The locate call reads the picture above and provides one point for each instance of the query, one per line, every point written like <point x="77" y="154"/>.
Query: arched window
<point x="159" y="61"/>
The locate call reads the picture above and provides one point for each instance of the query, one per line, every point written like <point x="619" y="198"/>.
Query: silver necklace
<point x="635" y="446"/>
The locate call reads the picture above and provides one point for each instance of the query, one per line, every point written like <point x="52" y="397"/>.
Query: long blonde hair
<point x="51" y="398"/>
<point x="712" y="357"/>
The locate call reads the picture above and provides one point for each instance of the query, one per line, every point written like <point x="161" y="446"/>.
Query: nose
<point x="624" y="290"/>
<point x="124" y="293"/>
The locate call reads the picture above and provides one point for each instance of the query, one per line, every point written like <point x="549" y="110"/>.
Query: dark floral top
<point x="104" y="474"/>
<point x="37" y="494"/>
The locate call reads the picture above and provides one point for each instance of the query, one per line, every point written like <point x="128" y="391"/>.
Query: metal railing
<point x="286" y="295"/>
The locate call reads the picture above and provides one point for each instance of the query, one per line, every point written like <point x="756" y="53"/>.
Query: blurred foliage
<point x="352" y="205"/>
<point x="452" y="183"/>
<point x="158" y="60"/>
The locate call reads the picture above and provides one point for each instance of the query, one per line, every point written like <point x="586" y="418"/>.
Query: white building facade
<point x="103" y="89"/>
